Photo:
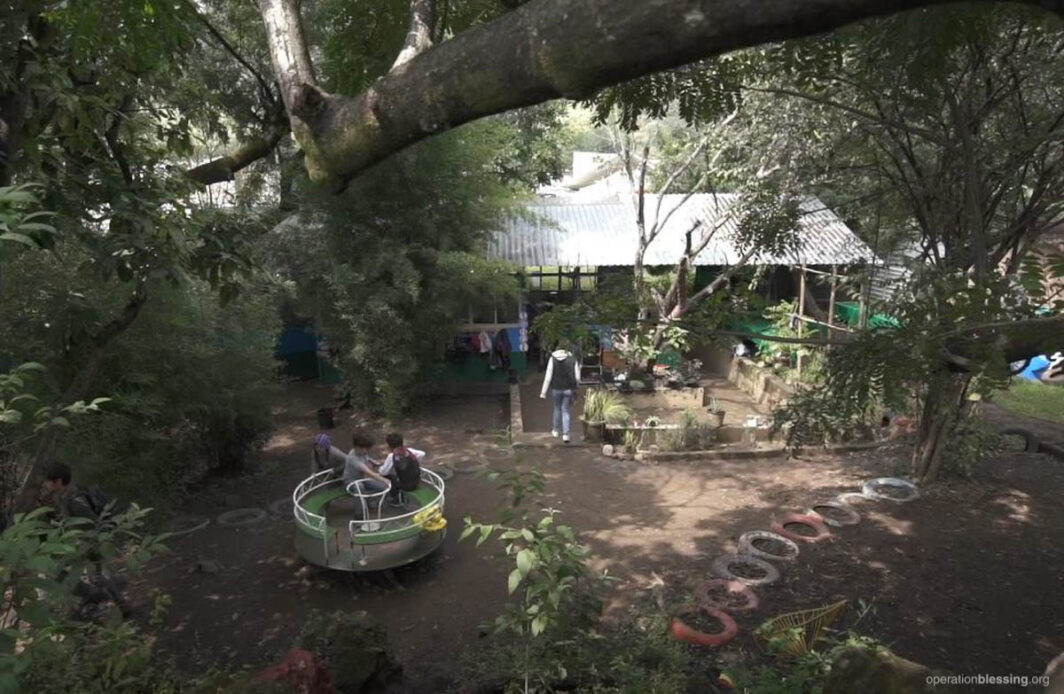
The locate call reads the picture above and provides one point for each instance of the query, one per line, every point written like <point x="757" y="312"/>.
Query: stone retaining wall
<point x="759" y="383"/>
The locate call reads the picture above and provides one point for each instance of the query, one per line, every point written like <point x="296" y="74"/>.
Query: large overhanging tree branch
<point x="225" y="168"/>
<point x="544" y="49"/>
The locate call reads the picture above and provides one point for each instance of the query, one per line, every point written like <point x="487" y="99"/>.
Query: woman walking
<point x="561" y="379"/>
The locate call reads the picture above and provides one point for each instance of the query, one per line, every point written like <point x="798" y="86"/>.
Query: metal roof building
<point x="603" y="233"/>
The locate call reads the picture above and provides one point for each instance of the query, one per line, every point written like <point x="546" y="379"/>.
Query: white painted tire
<point x="468" y="465"/>
<point x="869" y="489"/>
<point x="852" y="516"/>
<point x="242" y="517"/>
<point x="196" y="524"/>
<point x="851" y="498"/>
<point x="283" y="507"/>
<point x="746" y="546"/>
<point x="722" y="567"/>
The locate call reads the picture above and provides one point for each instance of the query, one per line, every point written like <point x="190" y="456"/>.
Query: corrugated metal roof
<point x="604" y="233"/>
<point x="891" y="274"/>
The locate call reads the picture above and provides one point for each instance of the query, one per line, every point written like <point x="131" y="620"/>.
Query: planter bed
<point x="729" y="433"/>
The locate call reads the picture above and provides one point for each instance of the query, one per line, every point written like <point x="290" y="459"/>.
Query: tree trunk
<point x="639" y="283"/>
<point x="945" y="407"/>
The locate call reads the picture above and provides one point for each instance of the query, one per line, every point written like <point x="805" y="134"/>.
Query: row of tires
<point x="733" y="592"/>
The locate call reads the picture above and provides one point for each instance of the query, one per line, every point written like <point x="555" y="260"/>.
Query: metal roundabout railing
<point x="377" y="539"/>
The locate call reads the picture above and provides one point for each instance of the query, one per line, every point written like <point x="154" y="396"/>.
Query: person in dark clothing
<point x="561" y="379"/>
<point x="62" y="494"/>
<point x="399" y="451"/>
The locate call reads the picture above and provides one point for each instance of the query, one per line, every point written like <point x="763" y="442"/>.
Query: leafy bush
<point x="388" y="273"/>
<point x="602" y="405"/>
<point x="191" y="384"/>
<point x="689" y="435"/>
<point x="41" y="647"/>
<point x="560" y="596"/>
<point x="970" y="443"/>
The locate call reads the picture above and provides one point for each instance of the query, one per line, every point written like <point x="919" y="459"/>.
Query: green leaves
<point x="525" y="559"/>
<point x="545" y="558"/>
<point x="514" y="580"/>
<point x="19" y="222"/>
<point x="55" y="651"/>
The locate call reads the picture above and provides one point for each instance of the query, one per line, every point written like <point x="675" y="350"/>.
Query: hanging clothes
<point x="500" y="352"/>
<point x="485" y="342"/>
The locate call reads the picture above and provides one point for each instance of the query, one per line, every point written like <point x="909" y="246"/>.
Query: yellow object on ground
<point x="430" y="519"/>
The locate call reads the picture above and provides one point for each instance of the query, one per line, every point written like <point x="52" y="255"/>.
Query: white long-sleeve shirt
<point x="389" y="463"/>
<point x="557" y="354"/>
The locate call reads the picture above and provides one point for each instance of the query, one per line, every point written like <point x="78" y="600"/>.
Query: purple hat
<point x="323" y="440"/>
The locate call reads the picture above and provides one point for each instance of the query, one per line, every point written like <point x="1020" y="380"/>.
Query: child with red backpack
<point x="402" y="466"/>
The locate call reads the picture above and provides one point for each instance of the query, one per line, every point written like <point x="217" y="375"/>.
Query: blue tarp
<point x="296" y="340"/>
<point x="1035" y="368"/>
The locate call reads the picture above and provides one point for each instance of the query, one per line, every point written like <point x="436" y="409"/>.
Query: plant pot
<point x="716" y="419"/>
<point x="593" y="431"/>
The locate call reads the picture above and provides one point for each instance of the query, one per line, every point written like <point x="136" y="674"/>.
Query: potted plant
<point x="650" y="433"/>
<point x="602" y="406"/>
<point x="716" y="413"/>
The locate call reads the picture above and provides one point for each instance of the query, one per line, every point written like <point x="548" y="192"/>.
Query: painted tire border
<point x="853" y="517"/>
<point x="496" y="453"/>
<point x="847" y="498"/>
<point x="283" y="507"/>
<point x="814" y="522"/>
<point x="468" y="465"/>
<point x="203" y="522"/>
<point x="682" y="632"/>
<point x="722" y="567"/>
<point x="232" y="518"/>
<point x="1031" y="443"/>
<point x="746" y="545"/>
<point x="868" y="489"/>
<point x="703" y="599"/>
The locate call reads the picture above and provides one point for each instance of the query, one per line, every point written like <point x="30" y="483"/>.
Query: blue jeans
<point x="563" y="400"/>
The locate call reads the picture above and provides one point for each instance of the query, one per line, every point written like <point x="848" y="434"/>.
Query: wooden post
<point x="801" y="315"/>
<point x="862" y="314"/>
<point x="831" y="304"/>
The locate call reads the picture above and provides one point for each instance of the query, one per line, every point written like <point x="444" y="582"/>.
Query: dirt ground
<point x="967" y="578"/>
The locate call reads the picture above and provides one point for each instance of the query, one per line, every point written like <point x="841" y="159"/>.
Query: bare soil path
<point x="968" y="578"/>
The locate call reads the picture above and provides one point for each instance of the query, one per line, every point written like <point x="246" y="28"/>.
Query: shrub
<point x="191" y="384"/>
<point x="602" y="405"/>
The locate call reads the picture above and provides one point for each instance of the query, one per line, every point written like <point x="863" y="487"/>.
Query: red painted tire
<point x="703" y="598"/>
<point x="682" y="632"/>
<point x="814" y="522"/>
